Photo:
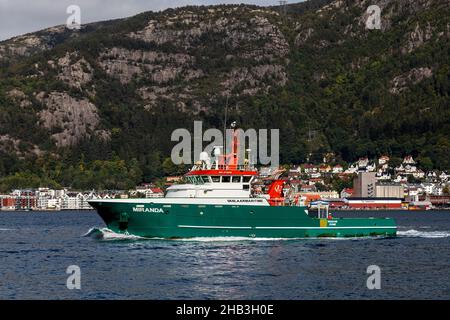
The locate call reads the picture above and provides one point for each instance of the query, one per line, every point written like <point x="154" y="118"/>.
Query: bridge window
<point x="189" y="180"/>
<point x="226" y="178"/>
<point x="247" y="179"/>
<point x="215" y="178"/>
<point x="206" y="179"/>
<point x="236" y="179"/>
<point x="196" y="180"/>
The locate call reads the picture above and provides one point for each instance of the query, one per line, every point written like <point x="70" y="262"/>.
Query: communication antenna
<point x="310" y="138"/>
<point x="283" y="6"/>
<point x="311" y="134"/>
<point x="225" y="130"/>
<point x="225" y="121"/>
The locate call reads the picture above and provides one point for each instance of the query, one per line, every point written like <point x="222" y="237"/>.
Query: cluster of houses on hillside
<point x="381" y="166"/>
<point x="371" y="179"/>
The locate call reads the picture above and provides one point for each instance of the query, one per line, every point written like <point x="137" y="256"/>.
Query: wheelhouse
<point x="200" y="179"/>
<point x="222" y="176"/>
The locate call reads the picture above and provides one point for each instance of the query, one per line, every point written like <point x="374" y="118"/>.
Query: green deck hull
<point x="188" y="221"/>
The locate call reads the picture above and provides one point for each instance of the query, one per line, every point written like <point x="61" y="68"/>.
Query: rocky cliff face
<point x="192" y="35"/>
<point x="68" y="118"/>
<point x="129" y="79"/>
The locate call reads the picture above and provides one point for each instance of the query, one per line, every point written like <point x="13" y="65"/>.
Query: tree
<point x="446" y="190"/>
<point x="425" y="163"/>
<point x="395" y="162"/>
<point x="169" y="168"/>
<point x="321" y="187"/>
<point x="341" y="184"/>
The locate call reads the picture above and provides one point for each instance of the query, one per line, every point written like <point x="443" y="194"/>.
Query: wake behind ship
<point x="218" y="200"/>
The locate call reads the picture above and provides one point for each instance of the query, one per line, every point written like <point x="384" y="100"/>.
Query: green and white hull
<point x="171" y="218"/>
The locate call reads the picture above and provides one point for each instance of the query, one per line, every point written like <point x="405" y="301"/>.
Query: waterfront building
<point x="25" y="199"/>
<point x="427" y="187"/>
<point x="70" y="201"/>
<point x="373" y="203"/>
<point x="147" y="190"/>
<point x="437" y="189"/>
<point x="328" y="194"/>
<point x="172" y="180"/>
<point x="412" y="193"/>
<point x="439" y="200"/>
<point x="389" y="190"/>
<point x="364" y="185"/>
<point x="7" y="202"/>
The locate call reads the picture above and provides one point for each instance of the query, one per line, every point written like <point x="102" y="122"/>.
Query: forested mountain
<point x="95" y="107"/>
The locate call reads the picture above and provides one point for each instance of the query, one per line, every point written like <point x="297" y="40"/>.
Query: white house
<point x="400" y="178"/>
<point x="363" y="162"/>
<point x="383" y="176"/>
<point x="53" y="204"/>
<point x="438" y="189"/>
<point x="371" y="167"/>
<point x="265" y="171"/>
<point x="70" y="201"/>
<point x="413" y="193"/>
<point x="315" y="175"/>
<point x="346" y="192"/>
<point x="408" y="160"/>
<point x="338" y="169"/>
<point x="419" y="174"/>
<point x="85" y="197"/>
<point x="383" y="160"/>
<point x="427" y="187"/>
<point x="310" y="168"/>
<point x="351" y="169"/>
<point x="409" y="169"/>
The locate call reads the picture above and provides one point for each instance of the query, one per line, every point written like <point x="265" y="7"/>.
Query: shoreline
<point x="331" y="210"/>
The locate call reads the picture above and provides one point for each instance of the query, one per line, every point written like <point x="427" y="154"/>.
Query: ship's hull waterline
<point x="164" y="220"/>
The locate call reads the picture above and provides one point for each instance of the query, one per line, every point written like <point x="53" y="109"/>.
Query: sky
<point x="18" y="17"/>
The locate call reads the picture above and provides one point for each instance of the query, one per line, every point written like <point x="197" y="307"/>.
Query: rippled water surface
<point x="37" y="247"/>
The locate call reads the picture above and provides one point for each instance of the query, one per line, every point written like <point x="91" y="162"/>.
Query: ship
<point x="217" y="199"/>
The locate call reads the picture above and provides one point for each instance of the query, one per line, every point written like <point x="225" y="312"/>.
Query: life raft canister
<point x="123" y="221"/>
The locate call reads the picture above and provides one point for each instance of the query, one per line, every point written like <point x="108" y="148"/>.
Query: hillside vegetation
<point x="95" y="108"/>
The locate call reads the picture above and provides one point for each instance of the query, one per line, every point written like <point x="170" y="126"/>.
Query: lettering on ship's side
<point x="143" y="209"/>
<point x="244" y="200"/>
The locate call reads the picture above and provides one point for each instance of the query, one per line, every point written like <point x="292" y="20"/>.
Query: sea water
<point x="36" y="248"/>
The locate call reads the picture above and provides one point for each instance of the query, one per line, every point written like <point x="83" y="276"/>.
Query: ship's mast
<point x="225" y="123"/>
<point x="225" y="134"/>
